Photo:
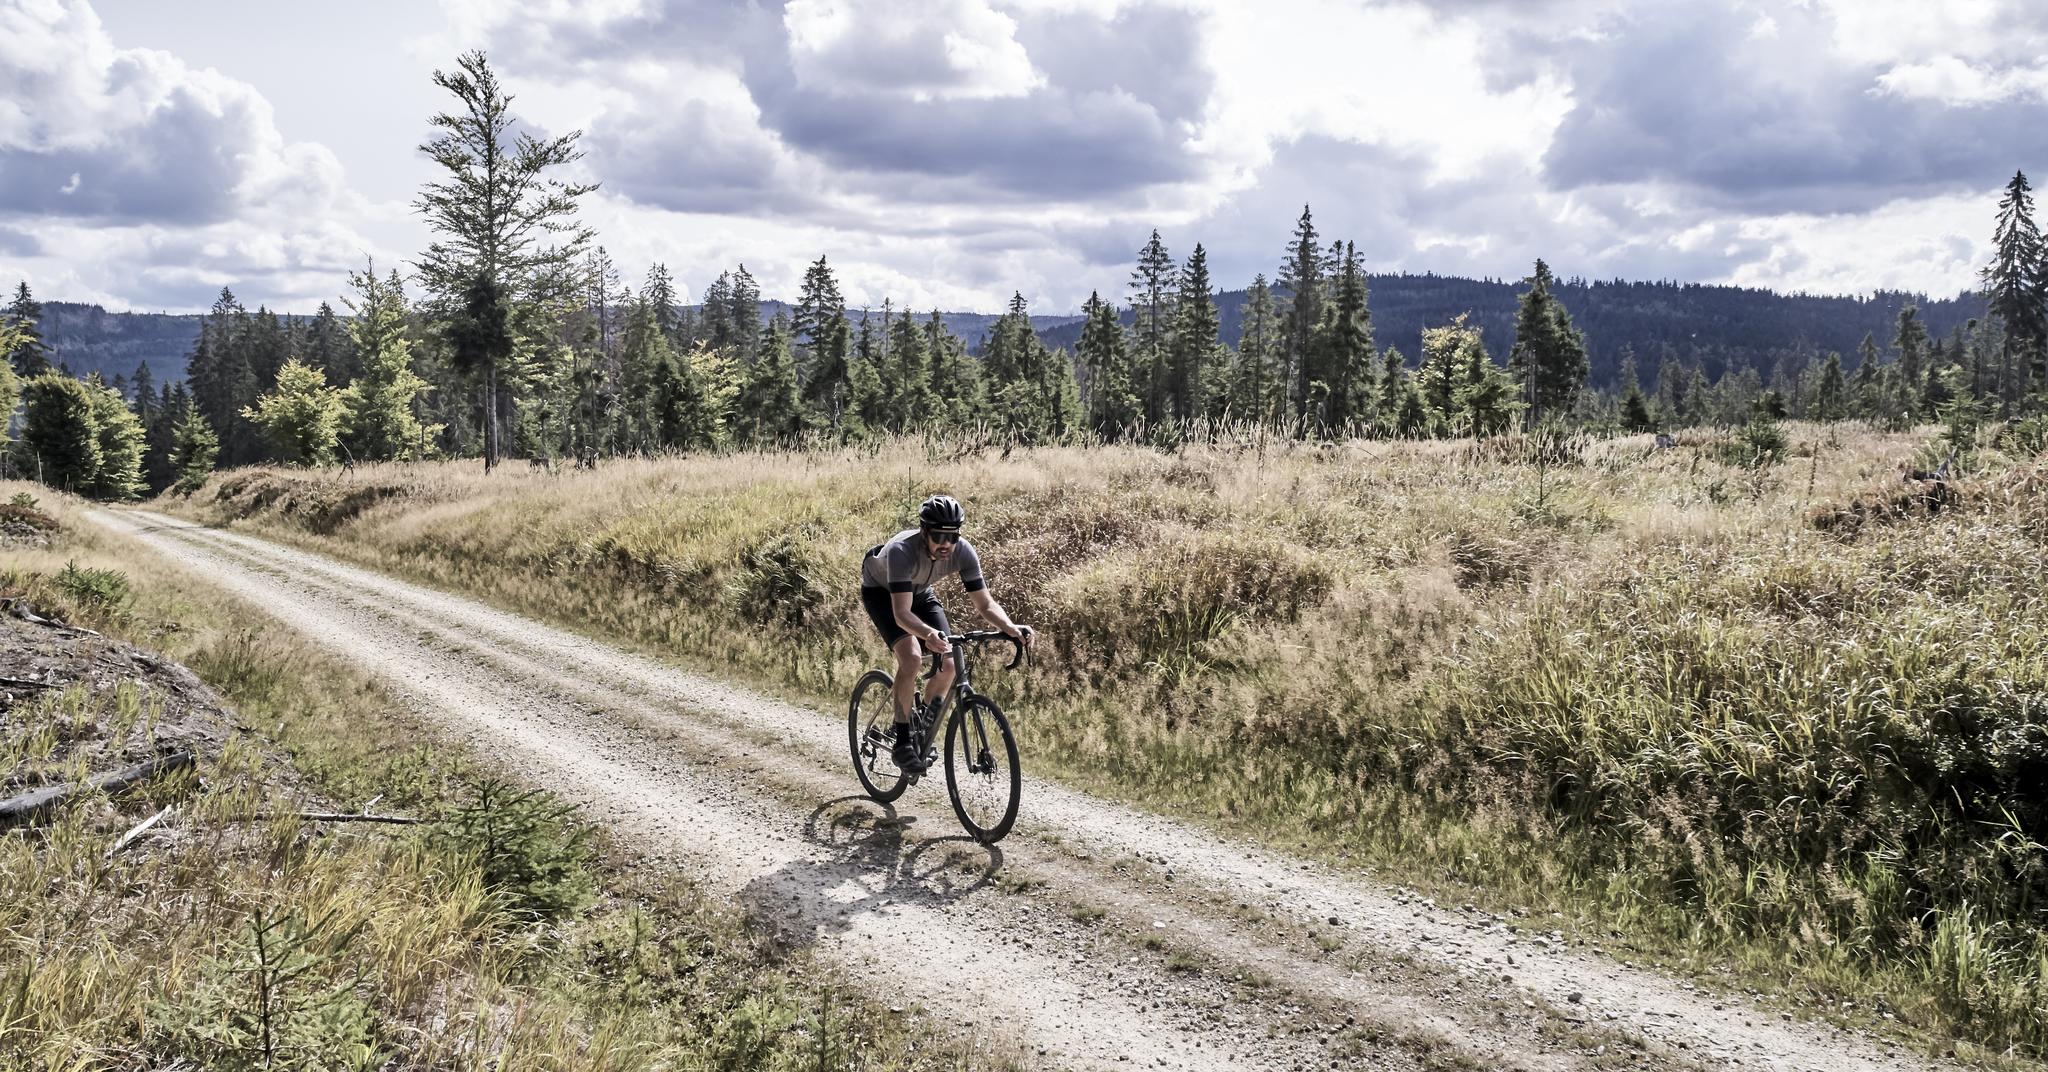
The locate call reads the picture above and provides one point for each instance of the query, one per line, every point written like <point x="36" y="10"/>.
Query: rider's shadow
<point x="867" y="866"/>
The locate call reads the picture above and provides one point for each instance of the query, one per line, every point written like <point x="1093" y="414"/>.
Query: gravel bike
<point x="982" y="775"/>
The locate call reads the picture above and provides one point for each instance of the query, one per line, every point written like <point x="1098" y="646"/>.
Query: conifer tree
<point x="771" y="405"/>
<point x="1441" y="373"/>
<point x="379" y="417"/>
<point x="1153" y="316"/>
<point x="302" y="416"/>
<point x="1830" y="397"/>
<point x="1301" y="276"/>
<point x="61" y="446"/>
<point x="25" y="350"/>
<point x="1868" y="396"/>
<point x="743" y="316"/>
<point x="1113" y="404"/>
<point x="1549" y="356"/>
<point x="118" y="476"/>
<point x="1345" y="347"/>
<point x="328" y="347"/>
<point x="1485" y="398"/>
<point x="823" y="339"/>
<point x="1393" y="381"/>
<point x="2016" y="287"/>
<point x="193" y="449"/>
<point x="1912" y="365"/>
<point x="954" y="377"/>
<point x="1257" y="385"/>
<point x="506" y="231"/>
<point x="1194" y="340"/>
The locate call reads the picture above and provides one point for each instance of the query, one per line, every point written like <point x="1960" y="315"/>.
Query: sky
<point x="948" y="153"/>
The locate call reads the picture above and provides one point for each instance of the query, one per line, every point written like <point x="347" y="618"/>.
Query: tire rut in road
<point x="1428" y="979"/>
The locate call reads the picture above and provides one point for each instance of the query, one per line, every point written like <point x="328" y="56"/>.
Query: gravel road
<point x="1095" y="936"/>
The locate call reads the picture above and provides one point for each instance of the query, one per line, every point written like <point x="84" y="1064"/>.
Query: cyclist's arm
<point x="993" y="611"/>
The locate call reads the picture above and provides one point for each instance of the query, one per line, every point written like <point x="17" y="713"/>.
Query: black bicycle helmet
<point x="941" y="513"/>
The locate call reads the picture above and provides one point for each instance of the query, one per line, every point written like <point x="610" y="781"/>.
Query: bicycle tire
<point x="875" y="692"/>
<point x="983" y="768"/>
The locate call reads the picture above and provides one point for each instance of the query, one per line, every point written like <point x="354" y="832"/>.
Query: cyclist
<point x="896" y="590"/>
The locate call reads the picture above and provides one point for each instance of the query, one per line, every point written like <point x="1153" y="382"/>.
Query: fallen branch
<point x="139" y="829"/>
<point x="29" y="806"/>
<point x="344" y="817"/>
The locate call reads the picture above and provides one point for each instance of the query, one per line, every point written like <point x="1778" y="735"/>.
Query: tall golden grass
<point x="1788" y="714"/>
<point x="229" y="940"/>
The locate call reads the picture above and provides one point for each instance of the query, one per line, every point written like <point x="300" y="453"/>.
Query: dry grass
<point x="1662" y="693"/>
<point x="379" y="947"/>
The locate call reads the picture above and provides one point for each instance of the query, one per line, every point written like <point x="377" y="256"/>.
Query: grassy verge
<point x="236" y="936"/>
<point x="1783" y="720"/>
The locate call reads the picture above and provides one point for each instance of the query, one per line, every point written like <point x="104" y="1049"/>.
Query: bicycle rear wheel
<point x="982" y="775"/>
<point x="868" y="720"/>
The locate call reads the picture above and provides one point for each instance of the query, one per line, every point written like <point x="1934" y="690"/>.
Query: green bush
<point x="102" y="591"/>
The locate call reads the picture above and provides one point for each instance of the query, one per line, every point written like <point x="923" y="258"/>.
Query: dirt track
<point x="1096" y="936"/>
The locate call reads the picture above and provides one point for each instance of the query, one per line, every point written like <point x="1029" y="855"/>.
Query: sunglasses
<point x="944" y="539"/>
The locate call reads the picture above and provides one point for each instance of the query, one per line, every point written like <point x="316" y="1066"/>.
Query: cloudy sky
<point x="949" y="152"/>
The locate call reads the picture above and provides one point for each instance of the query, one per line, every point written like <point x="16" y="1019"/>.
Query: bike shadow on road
<point x="864" y="860"/>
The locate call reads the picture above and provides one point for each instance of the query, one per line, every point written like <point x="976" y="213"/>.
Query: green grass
<point x="240" y="940"/>
<point x="1772" y="714"/>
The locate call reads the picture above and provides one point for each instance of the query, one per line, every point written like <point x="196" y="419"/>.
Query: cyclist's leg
<point x="902" y="646"/>
<point x="926" y="606"/>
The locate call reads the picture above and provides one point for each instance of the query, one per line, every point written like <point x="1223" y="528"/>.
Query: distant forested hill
<point x="1714" y="326"/>
<point x="87" y="338"/>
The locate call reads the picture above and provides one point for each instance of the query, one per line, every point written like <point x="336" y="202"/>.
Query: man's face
<point x="940" y="544"/>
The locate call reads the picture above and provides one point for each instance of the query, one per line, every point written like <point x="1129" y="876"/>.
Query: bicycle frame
<point x="963" y="685"/>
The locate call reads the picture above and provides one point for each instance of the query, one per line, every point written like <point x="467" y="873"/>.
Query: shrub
<point x="102" y="591"/>
<point x="534" y="853"/>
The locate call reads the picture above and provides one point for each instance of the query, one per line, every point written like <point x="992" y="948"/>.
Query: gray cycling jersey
<point x="904" y="565"/>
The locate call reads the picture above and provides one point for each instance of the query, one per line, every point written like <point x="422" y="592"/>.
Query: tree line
<point x="520" y="337"/>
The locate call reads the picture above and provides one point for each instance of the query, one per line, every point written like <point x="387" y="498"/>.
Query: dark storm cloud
<point x="1771" y="123"/>
<point x="685" y="160"/>
<point x="15" y="242"/>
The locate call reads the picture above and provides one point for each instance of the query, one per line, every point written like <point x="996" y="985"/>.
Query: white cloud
<point x="951" y="50"/>
<point x="1952" y="80"/>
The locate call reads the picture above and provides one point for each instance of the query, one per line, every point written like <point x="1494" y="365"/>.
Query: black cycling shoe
<point x="906" y="755"/>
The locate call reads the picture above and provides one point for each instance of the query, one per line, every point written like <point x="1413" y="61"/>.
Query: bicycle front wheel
<point x="868" y="730"/>
<point x="982" y="775"/>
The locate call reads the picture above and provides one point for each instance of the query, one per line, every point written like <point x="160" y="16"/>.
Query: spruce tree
<point x="1910" y="341"/>
<point x="118" y="477"/>
<point x="1444" y="368"/>
<point x="1345" y="347"/>
<point x="2016" y="287"/>
<point x="1194" y="341"/>
<point x="1113" y="404"/>
<point x="506" y="231"/>
<point x="1485" y="399"/>
<point x="1868" y="400"/>
<point x="60" y="445"/>
<point x="328" y="348"/>
<point x="1830" y="397"/>
<point x="302" y="416"/>
<point x="912" y="402"/>
<point x="1257" y="387"/>
<point x="193" y="450"/>
<point x="1152" y="311"/>
<point x="1549" y="356"/>
<point x="25" y="350"/>
<point x="823" y="337"/>
<point x="1301" y="276"/>
<point x="380" y="420"/>
<point x="771" y="405"/>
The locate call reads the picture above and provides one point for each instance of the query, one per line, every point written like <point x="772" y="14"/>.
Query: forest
<point x="514" y="334"/>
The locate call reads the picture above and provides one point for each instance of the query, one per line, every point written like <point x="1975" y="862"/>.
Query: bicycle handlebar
<point x="978" y="636"/>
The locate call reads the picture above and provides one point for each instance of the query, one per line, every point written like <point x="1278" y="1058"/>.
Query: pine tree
<point x="1194" y="341"/>
<point x="1257" y="385"/>
<point x="1301" y="276"/>
<point x="2016" y="287"/>
<point x="770" y="404"/>
<point x="506" y="232"/>
<point x="1345" y="347"/>
<point x="1151" y="308"/>
<point x="1113" y="404"/>
<point x="193" y="450"/>
<point x="302" y="417"/>
<point x="1912" y="365"/>
<point x="380" y="421"/>
<point x="25" y="350"/>
<point x="118" y="476"/>
<point x="1549" y="356"/>
<point x="59" y="442"/>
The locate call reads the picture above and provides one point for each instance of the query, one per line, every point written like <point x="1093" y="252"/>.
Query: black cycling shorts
<point x="923" y="604"/>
